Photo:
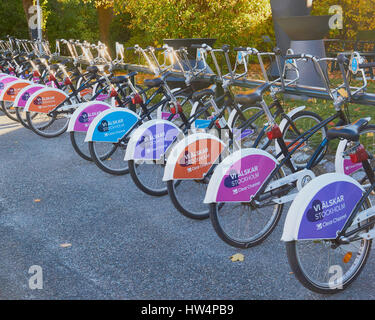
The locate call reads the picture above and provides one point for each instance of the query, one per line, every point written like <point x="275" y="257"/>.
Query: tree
<point x="240" y="22"/>
<point x="26" y="6"/>
<point x="105" y="15"/>
<point x="358" y="15"/>
<point x="12" y="24"/>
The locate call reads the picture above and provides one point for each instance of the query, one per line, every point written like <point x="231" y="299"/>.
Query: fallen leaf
<point x="237" y="257"/>
<point x="37" y="200"/>
<point x="65" y="245"/>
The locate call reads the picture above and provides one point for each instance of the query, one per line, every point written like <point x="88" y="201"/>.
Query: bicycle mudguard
<point x="283" y="125"/>
<point x="231" y="117"/>
<point x="239" y="176"/>
<point x="85" y="114"/>
<point x="111" y="125"/>
<point x="26" y="93"/>
<point x="345" y="165"/>
<point x="45" y="100"/>
<point x="6" y="80"/>
<point x="12" y="89"/>
<point x="151" y="140"/>
<point x="192" y="157"/>
<point x="322" y="207"/>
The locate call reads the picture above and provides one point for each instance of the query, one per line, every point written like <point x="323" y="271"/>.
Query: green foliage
<point x="236" y="22"/>
<point x="148" y="22"/>
<point x="358" y="15"/>
<point x="78" y="19"/>
<point x="13" y="21"/>
<point x="71" y="19"/>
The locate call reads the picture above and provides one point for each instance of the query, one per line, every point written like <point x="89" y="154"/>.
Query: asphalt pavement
<point x="97" y="236"/>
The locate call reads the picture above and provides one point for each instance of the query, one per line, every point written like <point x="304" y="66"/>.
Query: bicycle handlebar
<point x="367" y="65"/>
<point x="197" y="46"/>
<point x="294" y="56"/>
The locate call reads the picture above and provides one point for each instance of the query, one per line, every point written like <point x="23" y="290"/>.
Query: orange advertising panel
<point x="14" y="90"/>
<point x="45" y="101"/>
<point x="197" y="158"/>
<point x="85" y="92"/>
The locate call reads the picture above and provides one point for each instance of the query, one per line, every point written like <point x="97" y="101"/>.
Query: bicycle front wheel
<point x="301" y="122"/>
<point x="249" y="136"/>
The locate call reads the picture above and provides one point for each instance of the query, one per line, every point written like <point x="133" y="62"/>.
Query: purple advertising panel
<point x="155" y="141"/>
<point x="87" y="115"/>
<point x="244" y="178"/>
<point x="5" y="80"/>
<point x="27" y="94"/>
<point x="328" y="211"/>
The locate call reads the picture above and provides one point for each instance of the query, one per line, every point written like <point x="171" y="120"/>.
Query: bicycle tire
<point x="317" y="119"/>
<point x="142" y="186"/>
<point x="306" y="280"/>
<point x="249" y="242"/>
<point x="40" y="129"/>
<point x="10" y="115"/>
<point x="181" y="207"/>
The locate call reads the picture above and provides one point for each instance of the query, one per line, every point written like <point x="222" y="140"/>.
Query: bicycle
<point x="246" y="184"/>
<point x="175" y="98"/>
<point x="250" y="132"/>
<point x="328" y="230"/>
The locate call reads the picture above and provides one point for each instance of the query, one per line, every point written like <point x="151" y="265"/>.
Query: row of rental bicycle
<point x="218" y="151"/>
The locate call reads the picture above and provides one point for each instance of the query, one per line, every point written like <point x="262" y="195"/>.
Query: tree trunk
<point x="105" y="18"/>
<point x="26" y="5"/>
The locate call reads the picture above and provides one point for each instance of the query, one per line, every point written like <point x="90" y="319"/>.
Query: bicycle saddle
<point x="349" y="132"/>
<point x="253" y="97"/>
<point x="124" y="78"/>
<point x="65" y="62"/>
<point x="152" y="83"/>
<point x="201" y="93"/>
<point x="92" y="69"/>
<point x="119" y="79"/>
<point x="54" y="67"/>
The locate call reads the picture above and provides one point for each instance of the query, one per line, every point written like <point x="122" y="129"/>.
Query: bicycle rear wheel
<point x="187" y="196"/>
<point x="109" y="157"/>
<point x="367" y="139"/>
<point x="9" y="110"/>
<point x="316" y="263"/>
<point x="241" y="224"/>
<point x="78" y="138"/>
<point x="47" y="126"/>
<point x="21" y="116"/>
<point x="148" y="177"/>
